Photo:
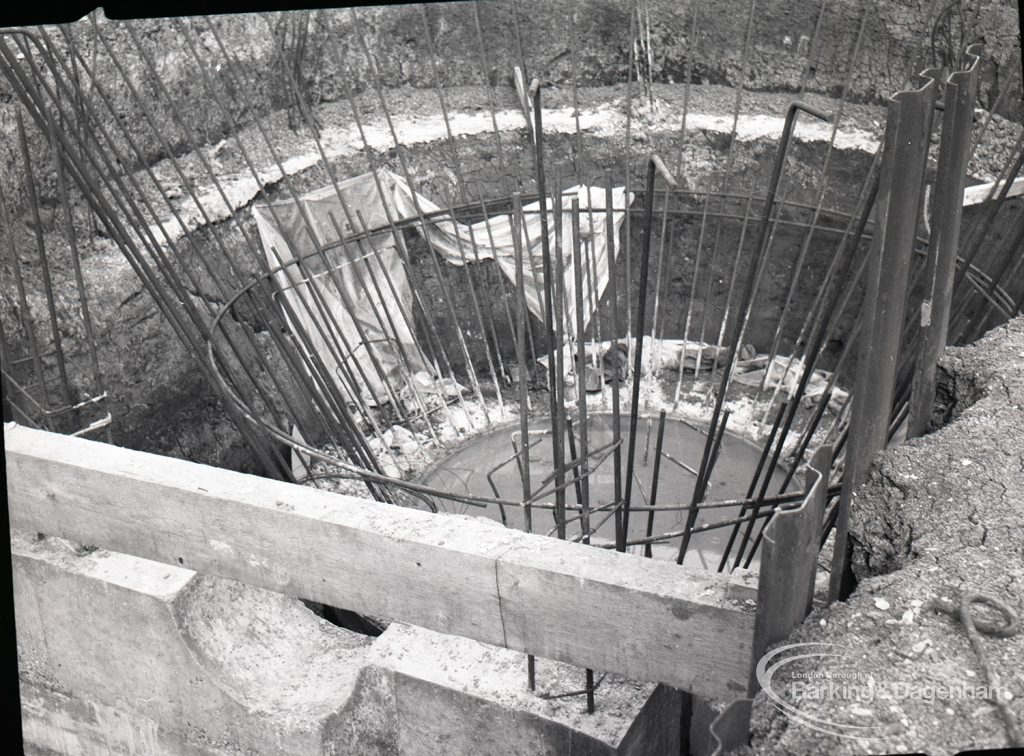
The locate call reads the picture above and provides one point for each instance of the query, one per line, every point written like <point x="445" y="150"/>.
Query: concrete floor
<point x="466" y="469"/>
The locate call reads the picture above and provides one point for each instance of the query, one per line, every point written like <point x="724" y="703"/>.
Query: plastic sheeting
<point x="353" y="315"/>
<point x="491" y="239"/>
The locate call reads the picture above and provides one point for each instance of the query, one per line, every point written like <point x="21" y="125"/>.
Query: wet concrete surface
<point x="466" y="470"/>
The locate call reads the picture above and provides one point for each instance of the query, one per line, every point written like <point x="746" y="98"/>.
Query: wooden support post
<point x="458" y="575"/>
<point x="979" y="193"/>
<point x="961" y="91"/>
<point x="904" y="157"/>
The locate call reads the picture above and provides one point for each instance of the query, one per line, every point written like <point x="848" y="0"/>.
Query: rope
<point x="974" y="628"/>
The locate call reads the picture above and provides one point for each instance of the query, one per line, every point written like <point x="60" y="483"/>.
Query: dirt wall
<point x="793" y="46"/>
<point x="939" y="517"/>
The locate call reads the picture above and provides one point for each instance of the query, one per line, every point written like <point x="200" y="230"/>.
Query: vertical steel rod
<point x="654" y="481"/>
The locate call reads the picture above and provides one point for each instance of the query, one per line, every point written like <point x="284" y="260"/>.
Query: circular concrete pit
<point x="484" y="466"/>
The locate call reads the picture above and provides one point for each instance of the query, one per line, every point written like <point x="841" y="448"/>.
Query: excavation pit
<point x="403" y="380"/>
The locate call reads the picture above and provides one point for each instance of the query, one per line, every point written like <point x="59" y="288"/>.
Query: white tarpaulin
<point x="358" y="330"/>
<point x="354" y="320"/>
<point x="491" y="239"/>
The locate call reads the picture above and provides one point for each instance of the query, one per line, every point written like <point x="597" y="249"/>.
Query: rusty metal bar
<point x="581" y="394"/>
<point x="613" y="346"/>
<point x="654" y="165"/>
<point x="654" y="480"/>
<point x="904" y="157"/>
<point x="700" y="488"/>
<point x="961" y="91"/>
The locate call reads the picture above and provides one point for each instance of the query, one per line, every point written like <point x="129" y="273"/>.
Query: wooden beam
<point x="591" y="607"/>
<point x="975" y="195"/>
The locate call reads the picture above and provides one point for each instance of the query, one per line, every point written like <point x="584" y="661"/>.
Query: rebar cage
<point x="697" y="264"/>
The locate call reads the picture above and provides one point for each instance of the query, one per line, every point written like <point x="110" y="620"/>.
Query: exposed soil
<point x="940" y="516"/>
<point x="159" y="400"/>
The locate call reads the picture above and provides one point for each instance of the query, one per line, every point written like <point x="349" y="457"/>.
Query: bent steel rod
<point x="747" y="217"/>
<point x="44" y="264"/>
<point x="613" y="347"/>
<point x="823" y="326"/>
<point x="1011" y="257"/>
<point x="500" y="153"/>
<point x="550" y="326"/>
<point x="805" y="245"/>
<point x="654" y="165"/>
<point x="753" y="275"/>
<point x="805" y="438"/>
<point x="753" y="482"/>
<point x="501" y="205"/>
<point x="476" y="307"/>
<point x="729" y="162"/>
<point x="672" y="535"/>
<point x="315" y="238"/>
<point x="432" y="342"/>
<point x="407" y="175"/>
<point x="973" y="244"/>
<point x="30" y="94"/>
<point x="404" y="364"/>
<point x="575" y="461"/>
<point x="780" y="442"/>
<point x="250" y="242"/>
<point x="681" y="141"/>
<point x="700" y="488"/>
<point x="24" y="312"/>
<point x="726" y="504"/>
<point x="76" y="263"/>
<point x="338" y="351"/>
<point x="560" y="313"/>
<point x="517" y="223"/>
<point x="121" y="237"/>
<point x="460" y="180"/>
<point x="827" y="315"/>
<point x="628" y="171"/>
<point x="581" y="358"/>
<point x="597" y="457"/>
<point x="524" y="397"/>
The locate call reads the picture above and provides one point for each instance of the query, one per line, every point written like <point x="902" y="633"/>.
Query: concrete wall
<point x="123" y="655"/>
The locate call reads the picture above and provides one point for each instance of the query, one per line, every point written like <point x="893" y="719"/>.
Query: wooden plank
<point x="975" y="195"/>
<point x="466" y="576"/>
